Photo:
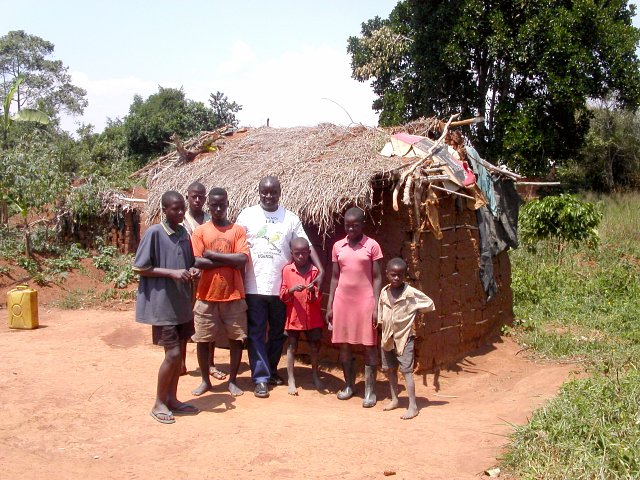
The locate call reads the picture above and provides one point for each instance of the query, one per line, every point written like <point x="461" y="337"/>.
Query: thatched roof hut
<point x="324" y="170"/>
<point x="347" y="160"/>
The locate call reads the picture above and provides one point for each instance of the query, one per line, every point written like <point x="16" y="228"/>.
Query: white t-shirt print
<point x="269" y="235"/>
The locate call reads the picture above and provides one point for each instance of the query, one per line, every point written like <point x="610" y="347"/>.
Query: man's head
<point x="396" y="271"/>
<point x="196" y="194"/>
<point x="218" y="203"/>
<point x="300" y="251"/>
<point x="173" y="207"/>
<point x="354" y="223"/>
<point x="269" y="190"/>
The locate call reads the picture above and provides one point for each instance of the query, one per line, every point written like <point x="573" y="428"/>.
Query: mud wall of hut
<point x="448" y="271"/>
<point x="120" y="229"/>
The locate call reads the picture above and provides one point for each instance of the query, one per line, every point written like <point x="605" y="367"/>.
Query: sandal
<point x="217" y="374"/>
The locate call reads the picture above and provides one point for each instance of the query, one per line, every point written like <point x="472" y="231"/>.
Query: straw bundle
<point x="322" y="170"/>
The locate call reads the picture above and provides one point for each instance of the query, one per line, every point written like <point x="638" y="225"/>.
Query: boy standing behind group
<point x="221" y="252"/>
<point x="397" y="308"/>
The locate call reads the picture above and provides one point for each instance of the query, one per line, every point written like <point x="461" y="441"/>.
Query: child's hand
<point x="181" y="275"/>
<point x="195" y="272"/>
<point x="312" y="292"/>
<point x="297" y="288"/>
<point x="328" y="318"/>
<point x="375" y="318"/>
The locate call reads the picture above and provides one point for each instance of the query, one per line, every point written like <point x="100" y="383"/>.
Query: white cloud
<point x="241" y="59"/>
<point x="108" y="98"/>
<point x="288" y="89"/>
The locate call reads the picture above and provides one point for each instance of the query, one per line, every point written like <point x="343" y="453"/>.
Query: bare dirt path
<point x="75" y="399"/>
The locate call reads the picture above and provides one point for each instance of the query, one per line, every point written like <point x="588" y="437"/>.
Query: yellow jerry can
<point x="22" y="304"/>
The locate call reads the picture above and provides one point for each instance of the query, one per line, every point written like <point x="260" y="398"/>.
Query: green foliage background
<point x="584" y="307"/>
<point x="528" y="68"/>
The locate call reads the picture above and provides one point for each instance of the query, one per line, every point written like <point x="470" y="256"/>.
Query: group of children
<point x="222" y="258"/>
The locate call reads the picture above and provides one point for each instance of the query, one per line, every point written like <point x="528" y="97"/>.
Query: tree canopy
<point x="47" y="84"/>
<point x="151" y="122"/>
<point x="528" y="67"/>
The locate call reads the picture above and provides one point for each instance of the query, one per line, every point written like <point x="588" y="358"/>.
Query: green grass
<point x="584" y="304"/>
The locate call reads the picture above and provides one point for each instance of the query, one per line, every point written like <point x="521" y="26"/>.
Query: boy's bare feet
<point x="317" y="382"/>
<point x="202" y="388"/>
<point x="409" y="414"/>
<point x="292" y="389"/>
<point x="392" y="405"/>
<point x="234" y="389"/>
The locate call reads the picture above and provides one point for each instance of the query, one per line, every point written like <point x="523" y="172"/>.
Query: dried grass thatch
<point x="322" y="170"/>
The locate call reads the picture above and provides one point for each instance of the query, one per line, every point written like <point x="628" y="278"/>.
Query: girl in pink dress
<point x="356" y="281"/>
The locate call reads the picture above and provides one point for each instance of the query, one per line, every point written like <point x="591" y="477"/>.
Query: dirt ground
<point x="75" y="397"/>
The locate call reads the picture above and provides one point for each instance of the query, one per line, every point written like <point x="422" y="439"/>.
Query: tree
<point x="47" y="84"/>
<point x="151" y="122"/>
<point x="610" y="158"/>
<point x="24" y="115"/>
<point x="224" y="110"/>
<point x="527" y="67"/>
<point x="30" y="179"/>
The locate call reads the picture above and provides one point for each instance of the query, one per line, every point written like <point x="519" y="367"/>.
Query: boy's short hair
<point x="397" y="262"/>
<point x="196" y="186"/>
<point x="356" y="213"/>
<point x="217" y="192"/>
<point x="299" y="240"/>
<point x="170" y="196"/>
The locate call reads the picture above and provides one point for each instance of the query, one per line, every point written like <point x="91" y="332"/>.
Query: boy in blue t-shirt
<point x="165" y="263"/>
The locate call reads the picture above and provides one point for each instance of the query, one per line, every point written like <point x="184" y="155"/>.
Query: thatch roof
<point x="322" y="170"/>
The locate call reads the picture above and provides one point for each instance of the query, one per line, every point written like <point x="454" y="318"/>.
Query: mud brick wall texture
<point x="121" y="230"/>
<point x="447" y="270"/>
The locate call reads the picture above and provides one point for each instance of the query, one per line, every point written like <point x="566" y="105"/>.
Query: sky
<point x="280" y="59"/>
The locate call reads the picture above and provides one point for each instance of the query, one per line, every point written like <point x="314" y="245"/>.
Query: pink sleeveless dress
<point x="353" y="301"/>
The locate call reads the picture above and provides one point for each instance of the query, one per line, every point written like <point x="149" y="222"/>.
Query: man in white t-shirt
<point x="270" y="229"/>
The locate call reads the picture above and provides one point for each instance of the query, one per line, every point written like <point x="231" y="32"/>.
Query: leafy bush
<point x="118" y="268"/>
<point x="563" y="218"/>
<point x="84" y="200"/>
<point x="69" y="260"/>
<point x="11" y="243"/>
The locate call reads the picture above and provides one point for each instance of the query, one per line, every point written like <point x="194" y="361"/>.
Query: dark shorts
<point x="391" y="360"/>
<point x="313" y="335"/>
<point x="171" y="335"/>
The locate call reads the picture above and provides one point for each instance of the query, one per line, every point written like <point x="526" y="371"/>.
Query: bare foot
<point x="202" y="388"/>
<point x="292" y="390"/>
<point x="234" y="389"/>
<point x="409" y="414"/>
<point x="317" y="382"/>
<point x="392" y="405"/>
<point x="163" y="417"/>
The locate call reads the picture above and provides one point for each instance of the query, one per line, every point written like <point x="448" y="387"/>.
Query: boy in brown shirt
<point x="397" y="308"/>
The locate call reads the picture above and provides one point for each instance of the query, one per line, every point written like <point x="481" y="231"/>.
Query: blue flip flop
<point x="186" y="409"/>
